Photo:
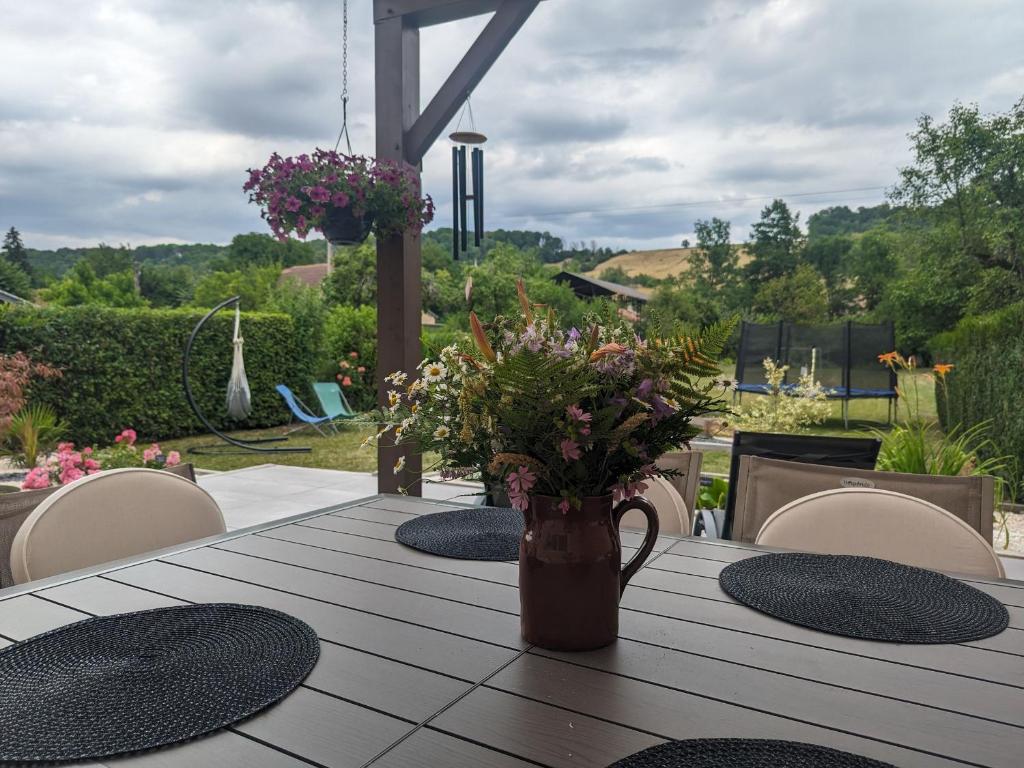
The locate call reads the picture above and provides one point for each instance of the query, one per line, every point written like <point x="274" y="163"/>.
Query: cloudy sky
<point x="133" y="121"/>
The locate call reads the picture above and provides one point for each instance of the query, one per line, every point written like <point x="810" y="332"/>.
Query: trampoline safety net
<point x="846" y="357"/>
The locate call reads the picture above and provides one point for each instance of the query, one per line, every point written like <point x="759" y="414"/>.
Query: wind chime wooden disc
<point x="467" y="137"/>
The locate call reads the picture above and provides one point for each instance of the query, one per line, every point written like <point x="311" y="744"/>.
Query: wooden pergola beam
<point x="485" y="50"/>
<point x="404" y="134"/>
<point x="425" y="13"/>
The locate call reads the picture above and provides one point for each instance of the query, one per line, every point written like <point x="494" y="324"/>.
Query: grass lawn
<point x="339" y="451"/>
<point x="342" y="451"/>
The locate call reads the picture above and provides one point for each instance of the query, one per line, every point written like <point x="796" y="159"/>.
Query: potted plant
<point x="343" y="196"/>
<point x="573" y="424"/>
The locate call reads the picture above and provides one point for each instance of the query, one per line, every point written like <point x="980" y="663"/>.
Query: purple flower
<point x="292" y="204"/>
<point x="340" y="200"/>
<point x="645" y="388"/>
<point x="574" y="334"/>
<point x="319" y="195"/>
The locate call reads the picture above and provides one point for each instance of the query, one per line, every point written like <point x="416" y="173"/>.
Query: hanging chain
<point x="344" y="79"/>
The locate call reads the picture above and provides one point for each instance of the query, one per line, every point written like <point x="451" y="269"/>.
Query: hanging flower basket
<point x="343" y="196"/>
<point x="341" y="226"/>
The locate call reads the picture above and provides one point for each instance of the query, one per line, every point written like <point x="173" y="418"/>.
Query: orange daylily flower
<point x="888" y="358"/>
<point x="941" y="369"/>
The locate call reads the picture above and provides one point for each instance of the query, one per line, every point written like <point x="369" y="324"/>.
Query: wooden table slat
<point x="422" y="665"/>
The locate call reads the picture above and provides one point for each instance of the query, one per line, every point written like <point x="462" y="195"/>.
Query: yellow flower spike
<point x="524" y="302"/>
<point x="481" y="338"/>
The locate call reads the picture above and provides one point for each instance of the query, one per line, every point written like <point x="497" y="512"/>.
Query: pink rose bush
<point x="67" y="464"/>
<point x="562" y="413"/>
<point x="295" y="194"/>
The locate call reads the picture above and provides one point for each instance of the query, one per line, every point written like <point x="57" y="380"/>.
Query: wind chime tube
<point x="455" y="203"/>
<point x="478" y="194"/>
<point x="464" y="228"/>
<point x="475" y="159"/>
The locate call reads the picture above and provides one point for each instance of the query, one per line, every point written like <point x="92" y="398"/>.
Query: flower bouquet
<point x="342" y="196"/>
<point x="570" y="421"/>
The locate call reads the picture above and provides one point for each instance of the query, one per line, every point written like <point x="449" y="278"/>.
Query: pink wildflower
<point x="151" y="453"/>
<point x="570" y="450"/>
<point x="519" y="485"/>
<point x="128" y="436"/>
<point x="576" y="413"/>
<point x="173" y="459"/>
<point x="564" y="506"/>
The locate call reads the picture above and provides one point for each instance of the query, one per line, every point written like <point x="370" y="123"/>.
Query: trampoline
<point x="846" y="353"/>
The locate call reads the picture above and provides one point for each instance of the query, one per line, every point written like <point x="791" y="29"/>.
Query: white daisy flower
<point x="400" y="464"/>
<point x="442" y="432"/>
<point x="394" y="397"/>
<point x="398" y="378"/>
<point x="434" y="372"/>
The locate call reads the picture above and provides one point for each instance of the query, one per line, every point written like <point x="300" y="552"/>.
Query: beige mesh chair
<point x="765" y="485"/>
<point x="884" y="524"/>
<point x="109" y="516"/>
<point x="687" y="482"/>
<point x="673" y="517"/>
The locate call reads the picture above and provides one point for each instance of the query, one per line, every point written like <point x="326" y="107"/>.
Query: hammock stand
<point x="234" y="445"/>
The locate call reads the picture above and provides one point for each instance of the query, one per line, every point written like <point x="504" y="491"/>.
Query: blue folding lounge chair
<point x="300" y="411"/>
<point x="332" y="401"/>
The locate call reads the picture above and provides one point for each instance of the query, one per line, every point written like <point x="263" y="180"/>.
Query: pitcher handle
<point x="637" y="502"/>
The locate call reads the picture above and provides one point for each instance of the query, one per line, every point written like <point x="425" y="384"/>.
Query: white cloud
<point x="134" y="120"/>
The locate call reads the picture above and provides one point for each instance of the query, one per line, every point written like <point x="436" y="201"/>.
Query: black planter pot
<point x="342" y="227"/>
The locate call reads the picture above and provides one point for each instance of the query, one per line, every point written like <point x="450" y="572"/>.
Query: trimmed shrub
<point x="988" y="378"/>
<point x="122" y="367"/>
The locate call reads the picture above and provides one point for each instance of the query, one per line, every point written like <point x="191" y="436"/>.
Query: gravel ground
<point x="1015" y="524"/>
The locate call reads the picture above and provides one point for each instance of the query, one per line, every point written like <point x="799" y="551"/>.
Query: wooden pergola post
<point x="404" y="134"/>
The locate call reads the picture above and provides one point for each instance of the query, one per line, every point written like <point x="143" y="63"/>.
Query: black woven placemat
<point x="479" y="533"/>
<point x="116" y="684"/>
<point x="864" y="597"/>
<point x="744" y="753"/>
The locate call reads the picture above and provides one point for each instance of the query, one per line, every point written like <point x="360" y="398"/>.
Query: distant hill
<point x="659" y="264"/>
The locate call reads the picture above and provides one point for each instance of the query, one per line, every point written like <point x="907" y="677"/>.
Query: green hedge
<point x="122" y="367"/>
<point x="987" y="382"/>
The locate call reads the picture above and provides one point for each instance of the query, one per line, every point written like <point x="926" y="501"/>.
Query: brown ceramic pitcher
<point x="570" y="571"/>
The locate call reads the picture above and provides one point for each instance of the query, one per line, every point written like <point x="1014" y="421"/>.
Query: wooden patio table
<point x="422" y="663"/>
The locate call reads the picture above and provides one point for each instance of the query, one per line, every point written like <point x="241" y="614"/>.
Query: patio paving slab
<point x="268" y="492"/>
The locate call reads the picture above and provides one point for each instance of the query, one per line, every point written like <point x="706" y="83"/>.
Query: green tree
<point x="163" y="285"/>
<point x="968" y="170"/>
<point x="776" y="244"/>
<point x="82" y="286"/>
<point x="14" y="251"/>
<point x="255" y="249"/>
<point x="353" y="280"/>
<point x="254" y="285"/>
<point x="13" y="279"/>
<point x="714" y="264"/>
<point x="105" y="260"/>
<point x="871" y="264"/>
<point x="829" y="256"/>
<point x="798" y="297"/>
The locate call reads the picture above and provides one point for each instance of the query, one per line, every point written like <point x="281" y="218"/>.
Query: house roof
<point x="308" y="274"/>
<point x="591" y="286"/>
<point x="10" y="298"/>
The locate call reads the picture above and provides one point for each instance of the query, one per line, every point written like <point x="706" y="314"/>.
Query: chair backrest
<point x="857" y="452"/>
<point x="687" y="482"/>
<point x="673" y="517"/>
<point x="883" y="524"/>
<point x="186" y="470"/>
<point x="109" y="516"/>
<point x="332" y="400"/>
<point x="298" y="411"/>
<point x="14" y="509"/>
<point x="765" y="485"/>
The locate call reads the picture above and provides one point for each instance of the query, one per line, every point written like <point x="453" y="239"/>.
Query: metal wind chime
<point x="461" y="194"/>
